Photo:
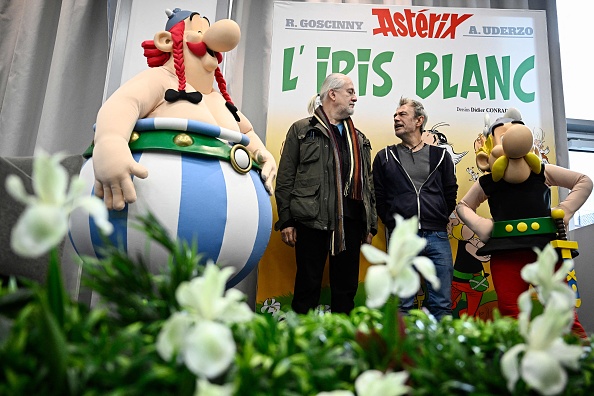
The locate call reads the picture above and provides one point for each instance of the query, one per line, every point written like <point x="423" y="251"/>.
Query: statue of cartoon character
<point x="470" y="277"/>
<point x="167" y="142"/>
<point x="519" y="196"/>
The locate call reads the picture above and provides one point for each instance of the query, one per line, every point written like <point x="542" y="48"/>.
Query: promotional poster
<point x="461" y="63"/>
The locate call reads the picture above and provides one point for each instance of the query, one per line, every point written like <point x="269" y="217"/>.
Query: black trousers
<point x="311" y="250"/>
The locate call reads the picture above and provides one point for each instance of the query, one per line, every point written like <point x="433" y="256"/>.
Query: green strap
<point x="532" y="226"/>
<point x="464" y="275"/>
<point x="164" y="140"/>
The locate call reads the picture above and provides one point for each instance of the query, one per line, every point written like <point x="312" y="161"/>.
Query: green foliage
<point x="300" y="355"/>
<point x="50" y="345"/>
<point x="462" y="357"/>
<point x="127" y="286"/>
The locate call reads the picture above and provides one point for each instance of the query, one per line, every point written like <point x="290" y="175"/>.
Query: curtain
<point x="52" y="73"/>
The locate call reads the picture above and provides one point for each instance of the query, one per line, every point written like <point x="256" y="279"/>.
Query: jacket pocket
<point x="305" y="203"/>
<point x="309" y="151"/>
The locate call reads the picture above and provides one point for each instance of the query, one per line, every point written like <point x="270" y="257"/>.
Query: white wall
<point x="584" y="266"/>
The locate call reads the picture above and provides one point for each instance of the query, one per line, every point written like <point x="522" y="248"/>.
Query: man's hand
<point x="289" y="236"/>
<point x="113" y="164"/>
<point x="368" y="238"/>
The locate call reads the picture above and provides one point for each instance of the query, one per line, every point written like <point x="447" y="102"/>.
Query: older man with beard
<point x="324" y="195"/>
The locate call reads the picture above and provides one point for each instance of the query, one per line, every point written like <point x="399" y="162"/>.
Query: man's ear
<point x="420" y="120"/>
<point x="163" y="41"/>
<point x="482" y="161"/>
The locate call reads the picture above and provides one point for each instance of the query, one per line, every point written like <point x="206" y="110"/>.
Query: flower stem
<point x="391" y="331"/>
<point x="55" y="287"/>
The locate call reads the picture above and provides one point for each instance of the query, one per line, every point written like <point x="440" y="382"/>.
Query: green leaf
<point x="12" y="302"/>
<point x="54" y="346"/>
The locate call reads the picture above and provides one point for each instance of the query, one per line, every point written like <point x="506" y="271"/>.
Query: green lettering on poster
<point x="524" y="68"/>
<point x="501" y="77"/>
<point x="425" y="63"/>
<point x="378" y="62"/>
<point x="363" y="56"/>
<point x="289" y="83"/>
<point x="472" y="68"/>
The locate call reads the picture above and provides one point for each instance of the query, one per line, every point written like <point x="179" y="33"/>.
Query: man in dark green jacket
<point x="325" y="198"/>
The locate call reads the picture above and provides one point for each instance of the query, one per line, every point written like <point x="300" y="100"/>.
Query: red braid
<point x="154" y="56"/>
<point x="222" y="85"/>
<point x="177" y="34"/>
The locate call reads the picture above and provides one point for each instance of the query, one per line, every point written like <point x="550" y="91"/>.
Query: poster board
<point x="459" y="62"/>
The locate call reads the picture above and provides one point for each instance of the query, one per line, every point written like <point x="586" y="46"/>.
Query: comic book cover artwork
<point x="473" y="293"/>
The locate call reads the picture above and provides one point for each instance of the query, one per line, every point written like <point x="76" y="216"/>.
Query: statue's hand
<point x="113" y="164"/>
<point x="481" y="226"/>
<point x="268" y="164"/>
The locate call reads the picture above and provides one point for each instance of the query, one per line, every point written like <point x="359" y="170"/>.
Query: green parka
<point x="305" y="185"/>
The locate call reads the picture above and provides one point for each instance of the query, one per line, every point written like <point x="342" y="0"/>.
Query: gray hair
<point x="333" y="81"/>
<point x="313" y="104"/>
<point x="418" y="108"/>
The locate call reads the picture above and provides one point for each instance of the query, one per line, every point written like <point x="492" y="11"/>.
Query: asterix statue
<point x="519" y="196"/>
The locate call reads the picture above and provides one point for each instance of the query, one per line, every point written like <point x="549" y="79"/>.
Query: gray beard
<point x="347" y="112"/>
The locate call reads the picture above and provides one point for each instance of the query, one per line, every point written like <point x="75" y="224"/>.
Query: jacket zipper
<point x="418" y="193"/>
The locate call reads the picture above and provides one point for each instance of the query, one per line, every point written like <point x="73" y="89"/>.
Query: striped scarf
<point x="353" y="186"/>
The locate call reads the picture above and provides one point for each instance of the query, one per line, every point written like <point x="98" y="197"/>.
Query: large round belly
<point x="197" y="199"/>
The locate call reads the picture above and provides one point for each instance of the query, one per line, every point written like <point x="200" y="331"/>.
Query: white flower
<point x="271" y="306"/>
<point x="398" y="275"/>
<point x="374" y="383"/>
<point x="336" y="393"/>
<point x="199" y="335"/>
<point x="44" y="222"/>
<point x="552" y="290"/>
<point x="172" y="334"/>
<point x="550" y="284"/>
<point x="208" y="349"/>
<point x="559" y="308"/>
<point x="40" y="228"/>
<point x="544" y="353"/>
<point x="541" y="360"/>
<point x="205" y="297"/>
<point x="205" y="388"/>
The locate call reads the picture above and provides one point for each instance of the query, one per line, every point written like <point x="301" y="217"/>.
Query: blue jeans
<point x="438" y="249"/>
